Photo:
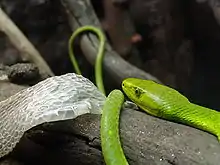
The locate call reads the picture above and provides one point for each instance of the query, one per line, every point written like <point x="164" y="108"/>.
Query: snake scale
<point x="56" y="98"/>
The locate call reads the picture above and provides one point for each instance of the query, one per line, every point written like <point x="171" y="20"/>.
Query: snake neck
<point x="196" y="116"/>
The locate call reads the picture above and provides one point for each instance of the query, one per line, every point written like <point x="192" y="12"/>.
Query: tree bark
<point x="145" y="140"/>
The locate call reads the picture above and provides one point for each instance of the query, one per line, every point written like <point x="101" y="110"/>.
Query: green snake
<point x="155" y="99"/>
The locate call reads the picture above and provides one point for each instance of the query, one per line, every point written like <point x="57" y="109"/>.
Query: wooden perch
<point x="81" y="13"/>
<point x="145" y="140"/>
<point x="24" y="46"/>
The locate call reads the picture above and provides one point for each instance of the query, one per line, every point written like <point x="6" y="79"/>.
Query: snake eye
<point x="137" y="92"/>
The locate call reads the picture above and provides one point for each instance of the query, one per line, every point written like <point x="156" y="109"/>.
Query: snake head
<point x="151" y="96"/>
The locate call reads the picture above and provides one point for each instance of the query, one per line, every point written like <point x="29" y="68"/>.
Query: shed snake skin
<point x="56" y="98"/>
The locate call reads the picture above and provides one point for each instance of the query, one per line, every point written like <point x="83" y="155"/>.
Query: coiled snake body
<point x="56" y="98"/>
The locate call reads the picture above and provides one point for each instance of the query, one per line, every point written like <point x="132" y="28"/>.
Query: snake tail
<point x="99" y="58"/>
<point x="110" y="140"/>
<point x="167" y="103"/>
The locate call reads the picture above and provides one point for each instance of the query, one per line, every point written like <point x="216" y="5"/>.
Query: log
<point x="145" y="140"/>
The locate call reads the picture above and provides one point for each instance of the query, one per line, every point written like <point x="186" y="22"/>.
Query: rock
<point x="24" y="73"/>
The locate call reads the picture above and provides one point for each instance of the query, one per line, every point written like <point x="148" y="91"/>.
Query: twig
<point x="26" y="49"/>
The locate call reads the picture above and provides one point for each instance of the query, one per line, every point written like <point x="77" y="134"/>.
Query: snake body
<point x="56" y="98"/>
<point x="111" y="145"/>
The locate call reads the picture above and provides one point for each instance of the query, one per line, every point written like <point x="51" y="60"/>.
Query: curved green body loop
<point x="99" y="58"/>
